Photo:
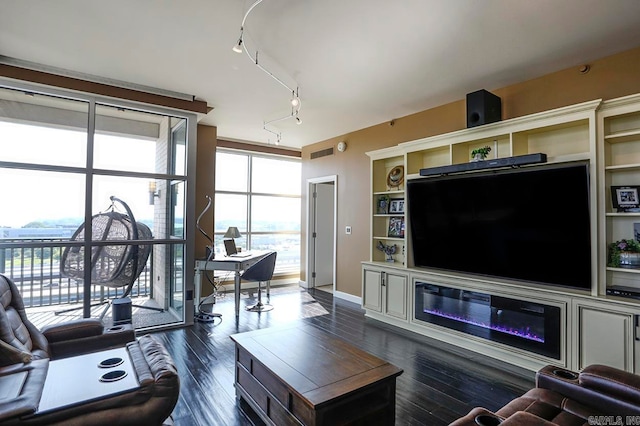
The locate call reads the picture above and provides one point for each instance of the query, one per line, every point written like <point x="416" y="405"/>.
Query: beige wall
<point x="205" y="184"/>
<point x="610" y="77"/>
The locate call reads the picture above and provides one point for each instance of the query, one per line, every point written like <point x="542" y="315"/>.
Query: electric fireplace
<point x="530" y="326"/>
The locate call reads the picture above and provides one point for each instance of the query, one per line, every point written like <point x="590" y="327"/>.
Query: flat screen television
<point x="530" y="224"/>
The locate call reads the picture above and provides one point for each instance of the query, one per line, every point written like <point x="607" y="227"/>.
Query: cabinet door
<point x="395" y="295"/>
<point x="605" y="337"/>
<point x="372" y="290"/>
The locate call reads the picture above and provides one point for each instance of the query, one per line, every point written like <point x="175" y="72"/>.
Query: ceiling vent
<point x="323" y="153"/>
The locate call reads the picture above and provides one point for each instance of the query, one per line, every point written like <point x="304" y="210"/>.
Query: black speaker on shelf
<point x="483" y="108"/>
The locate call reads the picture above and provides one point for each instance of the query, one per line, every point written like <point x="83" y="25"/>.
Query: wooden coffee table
<point x="302" y="375"/>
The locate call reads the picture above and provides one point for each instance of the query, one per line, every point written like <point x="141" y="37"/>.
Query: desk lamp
<point x="232" y="232"/>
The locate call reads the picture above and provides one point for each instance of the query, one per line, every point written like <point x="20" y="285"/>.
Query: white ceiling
<point x="357" y="62"/>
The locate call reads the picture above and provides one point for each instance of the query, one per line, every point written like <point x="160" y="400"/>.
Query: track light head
<point x="298" y="121"/>
<point x="295" y="101"/>
<point x="238" y="47"/>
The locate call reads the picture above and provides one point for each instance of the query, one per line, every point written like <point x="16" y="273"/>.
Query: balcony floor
<point x="142" y="318"/>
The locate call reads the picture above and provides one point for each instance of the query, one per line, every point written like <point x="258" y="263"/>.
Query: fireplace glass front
<point x="526" y="325"/>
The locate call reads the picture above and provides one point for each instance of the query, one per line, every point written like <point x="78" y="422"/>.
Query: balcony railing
<point x="34" y="265"/>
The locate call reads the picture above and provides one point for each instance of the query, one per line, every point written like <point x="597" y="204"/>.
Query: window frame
<point x="248" y="233"/>
<point x="88" y="170"/>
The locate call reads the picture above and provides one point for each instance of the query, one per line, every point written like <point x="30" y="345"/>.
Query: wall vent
<point x="323" y="153"/>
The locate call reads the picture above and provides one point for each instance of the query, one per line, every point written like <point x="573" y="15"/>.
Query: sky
<point x="46" y="195"/>
<point x="29" y="195"/>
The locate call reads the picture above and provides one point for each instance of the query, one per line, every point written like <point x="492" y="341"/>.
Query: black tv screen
<point x="530" y="224"/>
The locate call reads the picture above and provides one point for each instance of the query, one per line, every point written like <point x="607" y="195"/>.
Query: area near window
<point x="260" y="195"/>
<point x="63" y="157"/>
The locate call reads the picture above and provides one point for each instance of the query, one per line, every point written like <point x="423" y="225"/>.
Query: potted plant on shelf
<point x="480" y="154"/>
<point x="624" y="254"/>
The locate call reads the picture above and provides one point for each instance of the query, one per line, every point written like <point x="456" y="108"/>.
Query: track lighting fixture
<point x="295" y="100"/>
<point x="238" y="47"/>
<point x="296" y="103"/>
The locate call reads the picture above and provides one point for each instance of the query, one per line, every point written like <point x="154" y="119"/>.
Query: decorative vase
<point x="629" y="259"/>
<point x="477" y="157"/>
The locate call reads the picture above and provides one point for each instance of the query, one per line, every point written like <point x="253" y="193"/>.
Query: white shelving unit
<point x="607" y="136"/>
<point x="619" y="154"/>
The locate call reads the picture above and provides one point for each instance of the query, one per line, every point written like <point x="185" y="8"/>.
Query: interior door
<point x="323" y="234"/>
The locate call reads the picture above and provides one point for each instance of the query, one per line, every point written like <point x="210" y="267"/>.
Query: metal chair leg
<point x="259" y="306"/>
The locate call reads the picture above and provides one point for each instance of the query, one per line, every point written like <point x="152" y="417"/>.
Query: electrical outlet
<point x="347" y="230"/>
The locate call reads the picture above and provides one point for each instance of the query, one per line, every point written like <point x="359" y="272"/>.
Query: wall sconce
<point x="153" y="193"/>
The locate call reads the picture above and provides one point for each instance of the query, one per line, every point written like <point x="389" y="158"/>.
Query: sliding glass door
<point x="67" y="161"/>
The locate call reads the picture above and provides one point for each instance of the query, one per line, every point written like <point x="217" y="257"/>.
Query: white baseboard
<point x="303" y="284"/>
<point x="229" y="285"/>
<point x="348" y="297"/>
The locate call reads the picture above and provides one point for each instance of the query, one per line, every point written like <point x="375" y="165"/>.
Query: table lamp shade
<point x="232" y="232"/>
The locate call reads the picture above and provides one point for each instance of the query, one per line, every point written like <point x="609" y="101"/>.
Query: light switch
<point x="347" y="230"/>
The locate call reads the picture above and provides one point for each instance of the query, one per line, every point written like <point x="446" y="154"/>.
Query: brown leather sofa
<point x="150" y="403"/>
<point x="21" y="341"/>
<point x="565" y="398"/>
<point x="27" y="355"/>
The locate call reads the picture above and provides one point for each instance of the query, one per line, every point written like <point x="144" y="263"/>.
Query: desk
<point x="233" y="264"/>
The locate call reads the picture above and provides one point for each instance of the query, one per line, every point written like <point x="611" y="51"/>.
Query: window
<point x="261" y="196"/>
<point x="63" y="156"/>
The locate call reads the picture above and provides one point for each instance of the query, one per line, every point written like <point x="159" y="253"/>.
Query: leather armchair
<point x="565" y="398"/>
<point x="22" y="342"/>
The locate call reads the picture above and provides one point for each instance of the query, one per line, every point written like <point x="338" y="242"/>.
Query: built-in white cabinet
<point x="372" y="289"/>
<point x="600" y="328"/>
<point x="603" y="333"/>
<point x="619" y="170"/>
<point x="385" y="291"/>
<point x="387" y="208"/>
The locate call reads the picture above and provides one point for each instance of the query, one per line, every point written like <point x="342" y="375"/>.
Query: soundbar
<point x="623" y="291"/>
<point x="518" y="160"/>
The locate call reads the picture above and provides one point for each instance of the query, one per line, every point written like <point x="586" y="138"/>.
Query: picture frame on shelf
<point x="382" y="206"/>
<point x="396" y="206"/>
<point x="625" y="199"/>
<point x="396" y="227"/>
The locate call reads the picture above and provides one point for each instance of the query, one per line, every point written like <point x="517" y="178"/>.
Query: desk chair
<point x="260" y="271"/>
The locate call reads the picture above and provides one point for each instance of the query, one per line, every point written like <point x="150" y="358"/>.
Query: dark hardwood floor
<point x="440" y="383"/>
